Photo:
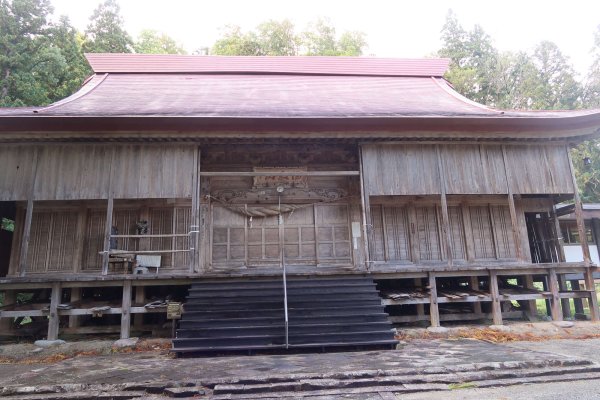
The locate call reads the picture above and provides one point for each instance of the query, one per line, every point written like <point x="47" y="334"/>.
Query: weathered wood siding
<point x="16" y="171"/>
<point x="153" y="171"/>
<point x="411" y="169"/>
<point x="71" y="172"/>
<point x="539" y="169"/>
<point x="473" y="169"/>
<point x="81" y="172"/>
<point x="392" y="169"/>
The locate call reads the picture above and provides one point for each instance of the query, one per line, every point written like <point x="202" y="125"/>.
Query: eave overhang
<point x="27" y="128"/>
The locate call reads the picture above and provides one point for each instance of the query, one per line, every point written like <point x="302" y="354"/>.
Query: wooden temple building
<point x="286" y="201"/>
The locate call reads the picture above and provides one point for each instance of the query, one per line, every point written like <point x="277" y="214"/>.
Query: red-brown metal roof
<point x="263" y="96"/>
<point x="337" y="96"/>
<point x="304" y="65"/>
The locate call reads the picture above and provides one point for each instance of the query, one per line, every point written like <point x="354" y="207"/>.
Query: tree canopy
<point x="543" y="79"/>
<point x="105" y="32"/>
<point x="150" y="41"/>
<point x="280" y="38"/>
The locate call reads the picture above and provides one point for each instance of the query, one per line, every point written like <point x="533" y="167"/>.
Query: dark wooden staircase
<point x="323" y="313"/>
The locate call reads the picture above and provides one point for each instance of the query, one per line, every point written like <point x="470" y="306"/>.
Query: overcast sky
<point x="393" y="28"/>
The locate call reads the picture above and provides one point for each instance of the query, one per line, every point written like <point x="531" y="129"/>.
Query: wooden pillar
<point x="531" y="311"/>
<point x="444" y="205"/>
<point x="577" y="302"/>
<point x="107" y="233"/>
<point x="434" y="312"/>
<point x="420" y="307"/>
<point x="140" y="300"/>
<point x="25" y="238"/>
<point x="555" y="309"/>
<point x="474" y="283"/>
<point x="366" y="213"/>
<point x="74" y="320"/>
<point x="126" y="310"/>
<point x="53" y="318"/>
<point x="28" y="217"/>
<point x="10" y="298"/>
<point x="195" y="217"/>
<point x="579" y="214"/>
<point x="559" y="240"/>
<point x="566" y="306"/>
<point x="588" y="275"/>
<point x="495" y="294"/>
<point x="109" y="216"/>
<point x="591" y="287"/>
<point x="515" y="225"/>
<point x="514" y="220"/>
<point x="469" y="240"/>
<point x="596" y="232"/>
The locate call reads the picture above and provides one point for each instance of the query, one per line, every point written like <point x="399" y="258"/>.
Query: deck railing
<point x="191" y="245"/>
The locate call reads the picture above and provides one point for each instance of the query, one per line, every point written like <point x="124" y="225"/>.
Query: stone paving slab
<point x="140" y="368"/>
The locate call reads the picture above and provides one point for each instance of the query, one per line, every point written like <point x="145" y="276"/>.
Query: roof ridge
<point x="297" y="65"/>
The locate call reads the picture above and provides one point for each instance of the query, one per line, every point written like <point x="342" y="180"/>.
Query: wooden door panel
<point x="314" y="234"/>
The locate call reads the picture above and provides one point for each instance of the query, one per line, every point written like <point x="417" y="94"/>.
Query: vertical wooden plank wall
<point x="367" y="227"/>
<point x="28" y="218"/>
<point x="444" y="205"/>
<point x="109" y="216"/>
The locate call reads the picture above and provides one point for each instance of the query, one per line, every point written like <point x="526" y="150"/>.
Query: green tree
<point x="352" y="43"/>
<point x="472" y="56"/>
<point x="588" y="175"/>
<point x="105" y="32"/>
<point x="276" y="38"/>
<point x="557" y="87"/>
<point x="150" y="41"/>
<point x="513" y="80"/>
<point x="320" y="40"/>
<point x="592" y="90"/>
<point x="30" y="67"/>
<point x="279" y="38"/>
<point x="236" y="43"/>
<point x="69" y="42"/>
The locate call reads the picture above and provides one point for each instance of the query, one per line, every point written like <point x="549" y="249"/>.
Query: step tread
<point x="296" y="335"/>
<point x="279" y="284"/>
<point x="291" y="346"/>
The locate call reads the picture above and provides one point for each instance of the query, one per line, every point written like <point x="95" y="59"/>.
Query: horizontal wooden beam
<point x="290" y="173"/>
<point x="453" y="317"/>
<point x="151" y="236"/>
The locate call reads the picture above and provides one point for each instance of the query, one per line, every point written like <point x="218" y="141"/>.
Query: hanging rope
<point x="270" y="210"/>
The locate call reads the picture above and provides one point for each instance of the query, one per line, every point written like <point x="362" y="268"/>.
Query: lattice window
<point x="93" y="242"/>
<point x="483" y="235"/>
<point x="505" y="243"/>
<point x="391" y="237"/>
<point x="428" y="234"/>
<point x="52" y="241"/>
<point x="457" y="233"/>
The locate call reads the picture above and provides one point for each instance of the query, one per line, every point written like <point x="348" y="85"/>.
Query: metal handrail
<point x="284" y="275"/>
<point x="285" y="304"/>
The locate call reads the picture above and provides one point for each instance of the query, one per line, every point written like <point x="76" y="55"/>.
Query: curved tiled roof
<point x="203" y="93"/>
